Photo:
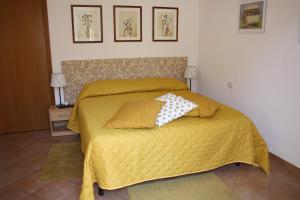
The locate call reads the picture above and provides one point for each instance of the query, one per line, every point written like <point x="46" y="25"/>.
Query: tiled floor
<point x="22" y="156"/>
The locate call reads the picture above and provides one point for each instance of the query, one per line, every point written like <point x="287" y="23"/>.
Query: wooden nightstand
<point x="58" y="120"/>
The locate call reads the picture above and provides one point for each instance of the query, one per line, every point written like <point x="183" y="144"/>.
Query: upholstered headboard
<point x="79" y="72"/>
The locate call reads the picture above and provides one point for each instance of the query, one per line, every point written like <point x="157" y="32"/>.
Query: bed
<point x="116" y="158"/>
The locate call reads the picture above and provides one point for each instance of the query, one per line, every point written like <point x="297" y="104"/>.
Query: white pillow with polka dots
<point x="174" y="108"/>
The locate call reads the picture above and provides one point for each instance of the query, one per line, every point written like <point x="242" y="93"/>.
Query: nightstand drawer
<point x="59" y="118"/>
<point x="58" y="115"/>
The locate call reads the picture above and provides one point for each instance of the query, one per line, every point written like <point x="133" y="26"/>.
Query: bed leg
<point x="100" y="191"/>
<point x="237" y="164"/>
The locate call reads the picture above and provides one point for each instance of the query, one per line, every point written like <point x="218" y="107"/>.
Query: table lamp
<point x="58" y="80"/>
<point x="190" y="72"/>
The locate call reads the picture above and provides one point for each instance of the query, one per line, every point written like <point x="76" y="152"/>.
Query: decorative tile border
<point x="79" y="72"/>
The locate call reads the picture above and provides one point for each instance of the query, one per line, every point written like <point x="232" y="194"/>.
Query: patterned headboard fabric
<point x="79" y="72"/>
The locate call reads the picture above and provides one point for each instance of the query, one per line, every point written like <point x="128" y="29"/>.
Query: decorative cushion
<point x="139" y="114"/>
<point x="174" y="108"/>
<point x="206" y="107"/>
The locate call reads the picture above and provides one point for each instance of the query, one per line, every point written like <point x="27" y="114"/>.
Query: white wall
<point x="264" y="69"/>
<point x="63" y="48"/>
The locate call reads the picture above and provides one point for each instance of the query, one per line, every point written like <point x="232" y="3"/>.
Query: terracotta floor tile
<point x="13" y="194"/>
<point x="32" y="197"/>
<point x="120" y="194"/>
<point x="20" y="170"/>
<point x="30" y="183"/>
<point x="254" y="178"/>
<point x="58" y="190"/>
<point x="228" y="174"/>
<point x="245" y="192"/>
<point x="7" y="150"/>
<point x="289" y="178"/>
<point x="2" y="163"/>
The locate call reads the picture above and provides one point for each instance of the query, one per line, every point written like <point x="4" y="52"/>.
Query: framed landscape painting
<point x="165" y="24"/>
<point x="252" y="16"/>
<point x="87" y="23"/>
<point x="127" y="23"/>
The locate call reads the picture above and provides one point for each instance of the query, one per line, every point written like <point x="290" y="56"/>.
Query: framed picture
<point x="87" y="25"/>
<point x="165" y="24"/>
<point x="252" y="16"/>
<point x="128" y="23"/>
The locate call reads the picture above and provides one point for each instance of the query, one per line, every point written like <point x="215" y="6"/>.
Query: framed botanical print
<point x="165" y="24"/>
<point x="87" y="25"/>
<point x="127" y="23"/>
<point x="252" y="16"/>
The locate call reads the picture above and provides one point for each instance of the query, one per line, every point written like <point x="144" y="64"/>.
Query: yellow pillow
<point x="139" y="114"/>
<point x="206" y="107"/>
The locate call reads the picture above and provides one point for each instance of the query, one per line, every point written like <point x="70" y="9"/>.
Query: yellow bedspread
<point x="116" y="158"/>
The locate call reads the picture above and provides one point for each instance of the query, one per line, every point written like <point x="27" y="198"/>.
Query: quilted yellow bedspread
<point x="116" y="158"/>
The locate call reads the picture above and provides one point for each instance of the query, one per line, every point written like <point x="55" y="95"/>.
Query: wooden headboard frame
<point x="79" y="72"/>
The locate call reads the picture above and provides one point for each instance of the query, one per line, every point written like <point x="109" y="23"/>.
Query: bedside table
<point x="59" y="119"/>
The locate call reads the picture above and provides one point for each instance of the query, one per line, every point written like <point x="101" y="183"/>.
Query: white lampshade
<point x="58" y="80"/>
<point x="190" y="72"/>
